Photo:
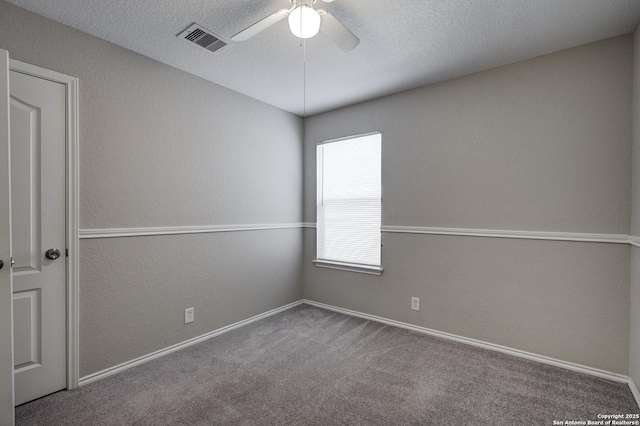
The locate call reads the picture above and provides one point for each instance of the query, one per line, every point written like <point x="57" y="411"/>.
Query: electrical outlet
<point x="415" y="303"/>
<point x="188" y="315"/>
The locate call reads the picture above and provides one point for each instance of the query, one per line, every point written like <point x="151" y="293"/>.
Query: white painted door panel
<point x="6" y="320"/>
<point x="38" y="224"/>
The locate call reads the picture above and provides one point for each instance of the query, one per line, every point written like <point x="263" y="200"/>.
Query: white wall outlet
<point x="188" y="315"/>
<point x="415" y="303"/>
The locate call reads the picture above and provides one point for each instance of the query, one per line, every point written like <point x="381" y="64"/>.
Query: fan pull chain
<point x="304" y="77"/>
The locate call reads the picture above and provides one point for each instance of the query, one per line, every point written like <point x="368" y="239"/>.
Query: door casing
<point x="72" y="209"/>
<point x="6" y="287"/>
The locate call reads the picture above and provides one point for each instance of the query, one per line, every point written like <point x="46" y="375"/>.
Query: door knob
<point x="52" y="254"/>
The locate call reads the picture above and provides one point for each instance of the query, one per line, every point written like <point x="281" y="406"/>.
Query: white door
<point x="38" y="130"/>
<point x="6" y="328"/>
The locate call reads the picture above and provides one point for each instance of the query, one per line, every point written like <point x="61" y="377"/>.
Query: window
<point x="349" y="203"/>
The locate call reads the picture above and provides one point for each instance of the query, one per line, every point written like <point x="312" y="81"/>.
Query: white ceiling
<point x="403" y="43"/>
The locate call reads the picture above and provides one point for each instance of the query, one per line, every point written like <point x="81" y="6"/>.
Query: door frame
<point x="72" y="191"/>
<point x="6" y="286"/>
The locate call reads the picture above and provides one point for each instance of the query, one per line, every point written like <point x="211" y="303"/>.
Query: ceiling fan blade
<point x="337" y="32"/>
<point x="260" y="26"/>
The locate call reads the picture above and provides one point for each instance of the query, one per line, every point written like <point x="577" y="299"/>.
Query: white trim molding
<point x="72" y="143"/>
<point x="498" y="233"/>
<point x="634" y="391"/>
<point x="478" y="343"/>
<point x="448" y="336"/>
<point x="527" y="235"/>
<point x="344" y="138"/>
<point x="351" y="267"/>
<point x="126" y="365"/>
<point x="489" y="233"/>
<point x="176" y="230"/>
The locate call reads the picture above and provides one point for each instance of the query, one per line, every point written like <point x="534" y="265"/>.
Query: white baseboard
<point x="504" y="349"/>
<point x="634" y="391"/>
<point x="126" y="365"/>
<point x="478" y="343"/>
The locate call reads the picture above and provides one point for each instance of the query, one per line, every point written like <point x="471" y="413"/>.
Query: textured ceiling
<point x="403" y="44"/>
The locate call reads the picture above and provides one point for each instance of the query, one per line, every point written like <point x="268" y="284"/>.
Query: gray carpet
<point x="309" y="366"/>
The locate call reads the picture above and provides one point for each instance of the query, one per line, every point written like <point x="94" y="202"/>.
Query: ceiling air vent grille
<point x="203" y="38"/>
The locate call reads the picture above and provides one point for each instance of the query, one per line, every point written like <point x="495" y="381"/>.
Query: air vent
<point x="202" y="37"/>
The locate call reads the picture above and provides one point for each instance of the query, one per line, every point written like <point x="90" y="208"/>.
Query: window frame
<point x="334" y="264"/>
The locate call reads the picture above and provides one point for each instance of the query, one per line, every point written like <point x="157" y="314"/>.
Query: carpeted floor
<point x="309" y="366"/>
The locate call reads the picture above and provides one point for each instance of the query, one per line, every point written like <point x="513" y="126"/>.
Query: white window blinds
<point x="349" y="200"/>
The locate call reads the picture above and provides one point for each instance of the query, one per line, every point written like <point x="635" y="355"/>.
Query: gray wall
<point x="634" y="337"/>
<point x="159" y="147"/>
<point x="541" y="145"/>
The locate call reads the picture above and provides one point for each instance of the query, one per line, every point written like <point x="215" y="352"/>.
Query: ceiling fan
<point x="305" y="22"/>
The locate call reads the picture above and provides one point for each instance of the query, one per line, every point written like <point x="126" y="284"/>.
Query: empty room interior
<point x="414" y="213"/>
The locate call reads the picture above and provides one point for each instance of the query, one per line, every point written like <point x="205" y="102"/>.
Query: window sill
<point x="350" y="267"/>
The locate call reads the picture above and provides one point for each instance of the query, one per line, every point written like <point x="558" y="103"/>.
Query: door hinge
<point x="66" y="251"/>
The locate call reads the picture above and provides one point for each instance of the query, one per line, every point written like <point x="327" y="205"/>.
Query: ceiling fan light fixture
<point x="304" y="21"/>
